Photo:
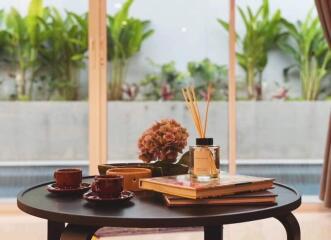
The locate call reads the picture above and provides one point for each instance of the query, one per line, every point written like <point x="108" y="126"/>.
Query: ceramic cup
<point x="131" y="176"/>
<point x="108" y="186"/>
<point x="68" y="178"/>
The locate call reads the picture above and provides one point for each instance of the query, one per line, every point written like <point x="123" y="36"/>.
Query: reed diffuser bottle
<point x="204" y="156"/>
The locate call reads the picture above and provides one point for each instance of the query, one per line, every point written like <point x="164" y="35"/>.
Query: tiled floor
<point x="315" y="225"/>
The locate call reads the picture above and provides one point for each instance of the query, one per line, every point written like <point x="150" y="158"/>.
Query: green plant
<point x="305" y="43"/>
<point x="63" y="51"/>
<point x="4" y="37"/>
<point x="165" y="84"/>
<point x="262" y="33"/>
<point x="204" y="74"/>
<point x="25" y="35"/>
<point x="125" y="38"/>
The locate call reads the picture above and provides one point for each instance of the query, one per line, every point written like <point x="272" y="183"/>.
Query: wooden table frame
<point x="58" y="231"/>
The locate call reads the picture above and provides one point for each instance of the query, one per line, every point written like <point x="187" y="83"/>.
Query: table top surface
<point x="147" y="209"/>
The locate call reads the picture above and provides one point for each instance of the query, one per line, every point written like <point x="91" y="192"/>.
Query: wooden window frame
<point x="98" y="86"/>
<point x="232" y="109"/>
<point x="97" y="28"/>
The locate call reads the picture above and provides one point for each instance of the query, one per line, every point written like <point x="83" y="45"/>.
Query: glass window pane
<point x="187" y="46"/>
<point x="43" y="75"/>
<point x="283" y="135"/>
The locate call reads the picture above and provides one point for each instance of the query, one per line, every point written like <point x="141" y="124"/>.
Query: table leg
<point x="77" y="232"/>
<point x="213" y="232"/>
<point x="291" y="226"/>
<point x="54" y="230"/>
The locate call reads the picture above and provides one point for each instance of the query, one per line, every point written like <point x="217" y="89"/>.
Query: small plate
<point x="94" y="198"/>
<point x="84" y="187"/>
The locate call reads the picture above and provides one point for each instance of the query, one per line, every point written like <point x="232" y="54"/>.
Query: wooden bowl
<point x="131" y="176"/>
<point x="156" y="171"/>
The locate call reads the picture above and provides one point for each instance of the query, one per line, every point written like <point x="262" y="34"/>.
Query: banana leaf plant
<point x="63" y="51"/>
<point x="25" y="35"/>
<point x="306" y="45"/>
<point x="262" y="32"/>
<point x="205" y="74"/>
<point x="125" y="38"/>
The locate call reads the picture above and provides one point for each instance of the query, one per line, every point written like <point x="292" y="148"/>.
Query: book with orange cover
<point x="188" y="187"/>
<point x="250" y="198"/>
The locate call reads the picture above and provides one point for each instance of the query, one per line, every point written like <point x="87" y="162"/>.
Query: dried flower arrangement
<point x="163" y="141"/>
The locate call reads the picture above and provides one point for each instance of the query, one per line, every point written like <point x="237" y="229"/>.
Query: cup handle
<point x="94" y="187"/>
<point x="54" y="175"/>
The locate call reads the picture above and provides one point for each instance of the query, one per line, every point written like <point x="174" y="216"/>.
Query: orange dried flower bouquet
<point x="163" y="141"/>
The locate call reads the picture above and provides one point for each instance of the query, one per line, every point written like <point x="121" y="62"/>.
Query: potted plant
<point x="159" y="148"/>
<point x="161" y="144"/>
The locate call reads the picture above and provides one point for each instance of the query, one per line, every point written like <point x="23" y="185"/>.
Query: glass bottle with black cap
<point x="204" y="158"/>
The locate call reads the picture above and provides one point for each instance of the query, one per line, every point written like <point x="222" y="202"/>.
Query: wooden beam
<point x="97" y="84"/>
<point x="232" y="118"/>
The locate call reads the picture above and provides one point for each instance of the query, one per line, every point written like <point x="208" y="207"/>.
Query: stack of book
<point x="183" y="190"/>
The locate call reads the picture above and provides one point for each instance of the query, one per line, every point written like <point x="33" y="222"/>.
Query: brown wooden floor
<point x="315" y="222"/>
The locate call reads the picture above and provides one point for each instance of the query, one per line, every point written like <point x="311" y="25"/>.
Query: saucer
<point x="94" y="198"/>
<point x="80" y="190"/>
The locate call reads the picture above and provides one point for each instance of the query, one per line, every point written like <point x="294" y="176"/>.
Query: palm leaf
<point x="35" y="11"/>
<point x="244" y="18"/>
<point x="120" y="19"/>
<point x="226" y="26"/>
<point x="265" y="9"/>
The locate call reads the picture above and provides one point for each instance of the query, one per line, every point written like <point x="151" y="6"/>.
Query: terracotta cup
<point x="68" y="177"/>
<point x="131" y="176"/>
<point x="108" y="186"/>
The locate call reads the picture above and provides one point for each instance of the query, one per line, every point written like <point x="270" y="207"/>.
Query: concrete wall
<point x="187" y="30"/>
<point x="58" y="131"/>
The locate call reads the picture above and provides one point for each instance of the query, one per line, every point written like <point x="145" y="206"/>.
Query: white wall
<point x="187" y="30"/>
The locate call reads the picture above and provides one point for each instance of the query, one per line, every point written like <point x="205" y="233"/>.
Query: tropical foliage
<point x="262" y="33"/>
<point x="63" y="51"/>
<point x="204" y="74"/>
<point x="45" y="50"/>
<point x="164" y="84"/>
<point x="125" y="37"/>
<point x="306" y="45"/>
<point x="48" y="49"/>
<point x="25" y="37"/>
<point x="4" y="38"/>
<point x="167" y="81"/>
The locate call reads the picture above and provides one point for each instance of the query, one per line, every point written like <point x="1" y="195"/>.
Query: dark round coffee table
<point x="147" y="210"/>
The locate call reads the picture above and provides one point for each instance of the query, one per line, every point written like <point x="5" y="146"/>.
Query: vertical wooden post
<point x="97" y="84"/>
<point x="232" y="89"/>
